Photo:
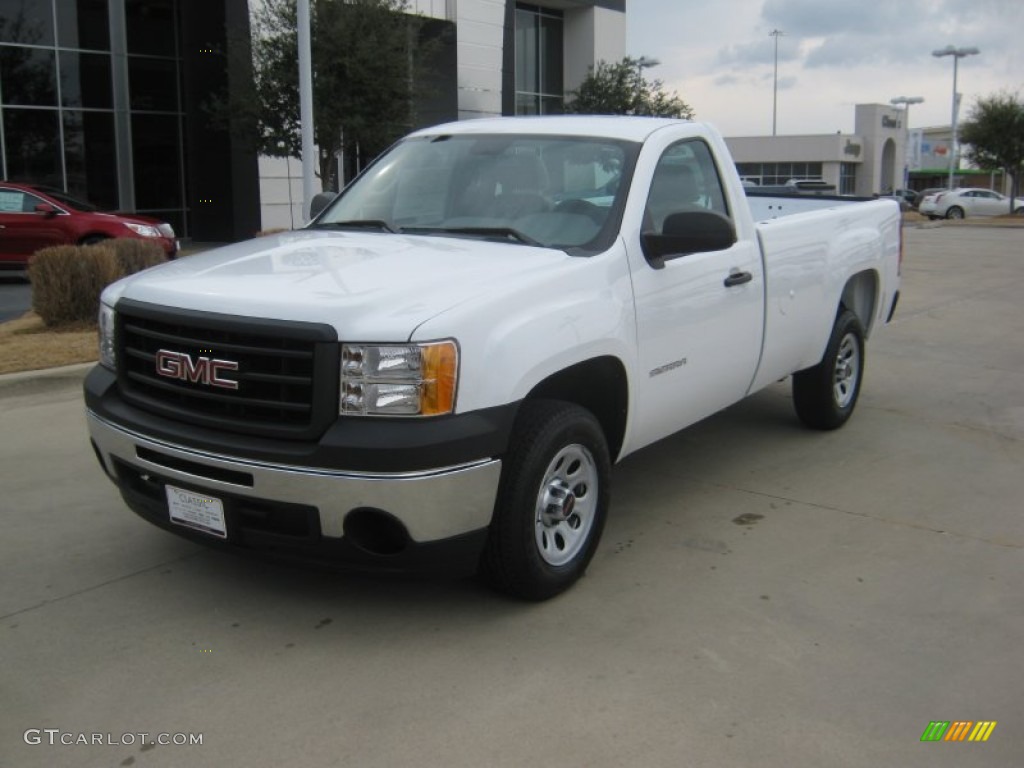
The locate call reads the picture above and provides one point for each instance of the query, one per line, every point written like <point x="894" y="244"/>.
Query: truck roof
<point x="630" y="128"/>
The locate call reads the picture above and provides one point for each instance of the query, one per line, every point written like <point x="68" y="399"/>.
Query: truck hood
<point x="369" y="286"/>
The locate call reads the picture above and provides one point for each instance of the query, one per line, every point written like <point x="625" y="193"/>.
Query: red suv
<point x="33" y="217"/>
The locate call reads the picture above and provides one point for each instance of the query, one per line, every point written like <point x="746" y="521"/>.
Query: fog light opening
<point x="375" y="531"/>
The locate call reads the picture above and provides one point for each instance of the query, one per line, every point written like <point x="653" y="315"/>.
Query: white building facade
<point x="868" y="161"/>
<point x="510" y="58"/>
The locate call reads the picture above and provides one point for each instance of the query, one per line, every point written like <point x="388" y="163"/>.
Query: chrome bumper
<point x="432" y="505"/>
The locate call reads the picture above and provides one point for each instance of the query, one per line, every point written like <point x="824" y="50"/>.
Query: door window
<point x="685" y="179"/>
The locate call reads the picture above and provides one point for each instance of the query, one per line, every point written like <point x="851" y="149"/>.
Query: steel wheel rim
<point x="847" y="371"/>
<point x="566" y="503"/>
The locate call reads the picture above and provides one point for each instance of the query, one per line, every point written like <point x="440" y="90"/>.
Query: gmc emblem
<point x="202" y="370"/>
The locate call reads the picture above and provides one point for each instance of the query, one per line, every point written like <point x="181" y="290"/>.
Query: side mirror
<point x="686" y="233"/>
<point x="320" y="201"/>
<point x="46" y="209"/>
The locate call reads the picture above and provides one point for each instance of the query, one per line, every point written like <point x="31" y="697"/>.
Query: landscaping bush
<point x="134" y="255"/>
<point x="67" y="281"/>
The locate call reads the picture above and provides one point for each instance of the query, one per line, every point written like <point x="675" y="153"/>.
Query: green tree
<point x="994" y="129"/>
<point x="367" y="58"/>
<point x="620" y="88"/>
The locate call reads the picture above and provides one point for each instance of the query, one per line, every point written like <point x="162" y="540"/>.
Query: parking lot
<point x="763" y="595"/>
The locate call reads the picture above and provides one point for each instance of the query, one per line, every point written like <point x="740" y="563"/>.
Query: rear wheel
<point x="956" y="212"/>
<point x="552" y="501"/>
<point x="825" y="395"/>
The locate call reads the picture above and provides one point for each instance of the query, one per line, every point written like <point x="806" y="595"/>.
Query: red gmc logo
<point x="202" y="370"/>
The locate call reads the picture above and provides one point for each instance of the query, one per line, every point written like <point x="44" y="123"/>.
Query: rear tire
<point x="552" y="501"/>
<point x="956" y="212"/>
<point x="824" y="396"/>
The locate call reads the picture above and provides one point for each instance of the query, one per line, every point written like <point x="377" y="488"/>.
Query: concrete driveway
<point x="764" y="595"/>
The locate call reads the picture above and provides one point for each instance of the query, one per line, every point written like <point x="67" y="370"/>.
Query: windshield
<point x="553" y="191"/>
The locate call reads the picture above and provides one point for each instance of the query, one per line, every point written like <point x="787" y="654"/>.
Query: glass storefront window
<point x="152" y="84"/>
<point x="90" y="157"/>
<point x="32" y="141"/>
<point x="29" y="22"/>
<point x="28" y="76"/>
<point x="83" y="24"/>
<point x="151" y="26"/>
<point x="85" y="80"/>
<point x="538" y="54"/>
<point x="156" y="156"/>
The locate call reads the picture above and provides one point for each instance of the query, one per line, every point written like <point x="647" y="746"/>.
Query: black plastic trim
<point x="356" y="443"/>
<point x="892" y="309"/>
<point x="321" y="354"/>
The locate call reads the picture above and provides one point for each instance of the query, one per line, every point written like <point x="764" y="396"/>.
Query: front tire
<point x="824" y="396"/>
<point x="552" y="501"/>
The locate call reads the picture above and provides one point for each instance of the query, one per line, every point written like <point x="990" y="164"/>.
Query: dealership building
<point x="104" y="99"/>
<point x="871" y="160"/>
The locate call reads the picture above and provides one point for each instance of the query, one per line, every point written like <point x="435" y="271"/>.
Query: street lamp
<point x="957" y="54"/>
<point x="776" y="33"/>
<point x="906" y="101"/>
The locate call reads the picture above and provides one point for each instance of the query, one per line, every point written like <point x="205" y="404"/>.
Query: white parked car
<point x="958" y="203"/>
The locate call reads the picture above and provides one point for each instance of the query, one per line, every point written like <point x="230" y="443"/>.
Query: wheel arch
<point x="600" y="385"/>
<point x="860" y="296"/>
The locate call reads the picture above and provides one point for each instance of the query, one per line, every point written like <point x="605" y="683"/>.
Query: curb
<point x="43" y="380"/>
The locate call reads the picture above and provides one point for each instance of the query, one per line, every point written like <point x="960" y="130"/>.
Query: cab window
<point x="685" y="179"/>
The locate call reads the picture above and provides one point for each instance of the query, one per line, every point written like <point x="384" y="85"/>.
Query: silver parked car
<point x="958" y="203"/>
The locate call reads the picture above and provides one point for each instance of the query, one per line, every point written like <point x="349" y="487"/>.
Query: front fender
<point x="511" y="341"/>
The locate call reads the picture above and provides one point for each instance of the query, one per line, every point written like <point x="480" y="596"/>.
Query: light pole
<point x="906" y="101"/>
<point x="957" y="54"/>
<point x="776" y="33"/>
<point x="641" y="64"/>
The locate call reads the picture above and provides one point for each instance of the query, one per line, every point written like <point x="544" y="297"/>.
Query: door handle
<point x="738" y="278"/>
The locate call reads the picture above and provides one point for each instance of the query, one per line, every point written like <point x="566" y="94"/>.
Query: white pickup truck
<point x="439" y="371"/>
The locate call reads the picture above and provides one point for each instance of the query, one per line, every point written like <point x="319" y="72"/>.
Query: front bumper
<point x="298" y="501"/>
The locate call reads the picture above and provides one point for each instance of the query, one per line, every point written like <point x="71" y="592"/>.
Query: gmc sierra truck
<point x="440" y="369"/>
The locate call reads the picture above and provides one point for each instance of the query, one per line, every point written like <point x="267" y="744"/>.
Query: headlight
<point x="108" y="354"/>
<point x="143" y="230"/>
<point x="398" y="379"/>
<point x="165" y="229"/>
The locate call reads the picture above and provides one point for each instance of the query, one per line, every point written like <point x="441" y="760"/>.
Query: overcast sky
<point x="718" y="55"/>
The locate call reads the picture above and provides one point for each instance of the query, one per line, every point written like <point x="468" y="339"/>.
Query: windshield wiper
<point x="505" y="232"/>
<point x="356" y="224"/>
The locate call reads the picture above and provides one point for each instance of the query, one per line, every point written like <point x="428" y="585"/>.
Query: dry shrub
<point x="134" y="255"/>
<point x="272" y="231"/>
<point x="67" y="281"/>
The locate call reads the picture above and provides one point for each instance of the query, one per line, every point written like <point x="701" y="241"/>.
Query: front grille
<point x="287" y="372"/>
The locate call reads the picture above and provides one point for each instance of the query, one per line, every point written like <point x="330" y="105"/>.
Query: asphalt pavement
<point x="764" y="595"/>
<point x="15" y="297"/>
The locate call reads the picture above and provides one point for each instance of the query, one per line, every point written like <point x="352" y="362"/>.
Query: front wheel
<point x="552" y="501"/>
<point x="825" y="395"/>
<point x="956" y="212"/>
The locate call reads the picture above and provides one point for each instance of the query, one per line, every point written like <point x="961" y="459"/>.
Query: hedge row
<point x="67" y="279"/>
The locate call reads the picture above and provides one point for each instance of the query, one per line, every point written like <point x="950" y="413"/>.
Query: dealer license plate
<point x="196" y="510"/>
